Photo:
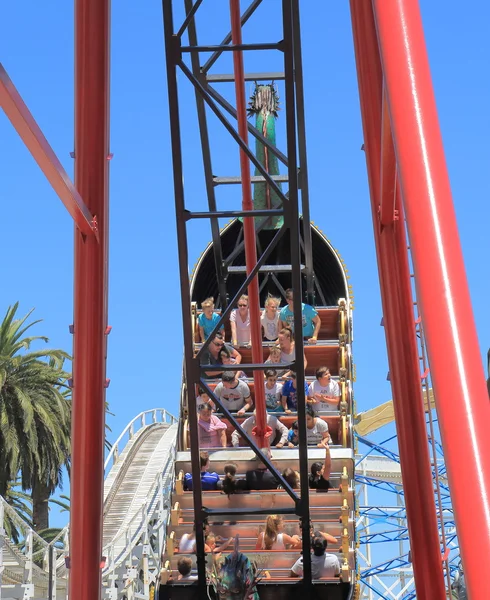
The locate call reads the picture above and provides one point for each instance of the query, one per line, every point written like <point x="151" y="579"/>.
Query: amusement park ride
<point x="125" y="527"/>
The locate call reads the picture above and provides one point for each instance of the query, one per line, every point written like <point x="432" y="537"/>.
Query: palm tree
<point x="34" y="414"/>
<point x="21" y="503"/>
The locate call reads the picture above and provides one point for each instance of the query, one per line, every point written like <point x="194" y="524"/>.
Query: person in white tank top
<point x="274" y="538"/>
<point x="269" y="319"/>
<point x="240" y="323"/>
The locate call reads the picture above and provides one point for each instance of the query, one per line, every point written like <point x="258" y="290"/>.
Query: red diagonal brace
<point x="32" y="136"/>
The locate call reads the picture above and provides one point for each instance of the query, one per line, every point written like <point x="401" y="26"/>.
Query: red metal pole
<point x="32" y="136"/>
<point x="388" y="170"/>
<point x="92" y="19"/>
<point x="457" y="373"/>
<point x="398" y="315"/>
<point x="249" y="227"/>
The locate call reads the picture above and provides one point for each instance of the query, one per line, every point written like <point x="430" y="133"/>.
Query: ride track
<point x="408" y="183"/>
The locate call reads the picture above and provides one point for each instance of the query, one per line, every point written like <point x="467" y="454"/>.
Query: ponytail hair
<point x="270" y="533"/>
<point x="229" y="484"/>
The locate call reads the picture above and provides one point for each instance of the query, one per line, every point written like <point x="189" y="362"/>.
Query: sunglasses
<point x="243" y="305"/>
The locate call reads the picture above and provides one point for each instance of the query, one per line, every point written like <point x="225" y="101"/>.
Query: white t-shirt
<point x="234" y="398"/>
<point x="271" y="326"/>
<point x="321" y="566"/>
<point x="315" y="435"/>
<point x="273" y="396"/>
<point x="332" y="389"/>
<point x="187" y="544"/>
<point x="242" y="327"/>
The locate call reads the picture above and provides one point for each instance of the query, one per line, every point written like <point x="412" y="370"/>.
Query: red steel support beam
<point x="32" y="136"/>
<point x="92" y="27"/>
<point x="388" y="170"/>
<point x="398" y="315"/>
<point x="249" y="227"/>
<point x="461" y="396"/>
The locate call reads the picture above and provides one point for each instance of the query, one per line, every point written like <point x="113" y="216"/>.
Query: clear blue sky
<point x="145" y="346"/>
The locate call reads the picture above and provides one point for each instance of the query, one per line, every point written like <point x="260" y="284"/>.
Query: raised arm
<point x="328" y="464"/>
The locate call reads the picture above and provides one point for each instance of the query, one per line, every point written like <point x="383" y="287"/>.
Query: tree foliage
<point x="34" y="412"/>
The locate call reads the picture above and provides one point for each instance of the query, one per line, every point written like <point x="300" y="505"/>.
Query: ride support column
<point x="463" y="408"/>
<point x="249" y="229"/>
<point x="398" y="314"/>
<point x="92" y="21"/>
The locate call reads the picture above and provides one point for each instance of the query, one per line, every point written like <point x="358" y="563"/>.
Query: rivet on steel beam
<point x="107" y="383"/>
<point x="388" y="378"/>
<point x="363" y="148"/>
<point x="108" y="329"/>
<point x="382" y="323"/>
<point x="71" y="328"/>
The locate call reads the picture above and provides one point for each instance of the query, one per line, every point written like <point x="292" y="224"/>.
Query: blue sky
<point x="145" y="346"/>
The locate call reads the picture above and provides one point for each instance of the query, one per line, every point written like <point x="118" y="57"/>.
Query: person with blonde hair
<point x="240" y="323"/>
<point x="208" y="320"/>
<point x="274" y="538"/>
<point x="269" y="319"/>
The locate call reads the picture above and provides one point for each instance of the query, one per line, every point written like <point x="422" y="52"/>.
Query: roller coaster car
<point x="333" y="512"/>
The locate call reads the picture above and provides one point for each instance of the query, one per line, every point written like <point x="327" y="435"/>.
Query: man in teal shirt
<point x="311" y="320"/>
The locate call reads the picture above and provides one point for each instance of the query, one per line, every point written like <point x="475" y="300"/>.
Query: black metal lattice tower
<point x="187" y="60"/>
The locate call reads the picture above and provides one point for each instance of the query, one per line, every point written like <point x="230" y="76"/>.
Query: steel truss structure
<point x="208" y="97"/>
<point x="407" y="176"/>
<point x="384" y="556"/>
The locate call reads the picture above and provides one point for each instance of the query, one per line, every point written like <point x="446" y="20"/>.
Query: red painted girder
<point x="398" y="320"/>
<point x="249" y="227"/>
<point x="458" y="379"/>
<point x="92" y="20"/>
<point x="388" y="170"/>
<point x="32" y="136"/>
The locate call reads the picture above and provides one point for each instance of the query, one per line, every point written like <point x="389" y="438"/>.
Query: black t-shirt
<point x="260" y="479"/>
<point x="319" y="483"/>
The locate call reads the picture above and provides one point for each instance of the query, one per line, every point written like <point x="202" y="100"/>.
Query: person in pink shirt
<point x="212" y="430"/>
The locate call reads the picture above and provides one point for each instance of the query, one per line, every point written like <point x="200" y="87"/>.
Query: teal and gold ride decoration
<point x="264" y="104"/>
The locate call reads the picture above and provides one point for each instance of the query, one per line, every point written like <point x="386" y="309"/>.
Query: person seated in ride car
<point x="225" y="357"/>
<point x="288" y="348"/>
<point x="212" y="430"/>
<point x="269" y="319"/>
<point x="273" y="392"/>
<point x="320" y="473"/>
<point x="233" y="393"/>
<point x="208" y="319"/>
<point x="274" y="359"/>
<point x="240" y="323"/>
<point x="322" y="564"/>
<point x="274" y="537"/>
<point x="184" y="567"/>
<point x="311" y="320"/>
<point x="293" y="435"/>
<point x="209" y="481"/>
<point x="272" y="422"/>
<point x="203" y="398"/>
<point x="316" y="429"/>
<point x="289" y="392"/>
<point x="261" y="478"/>
<point x="210" y="356"/>
<point x="324" y="393"/>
